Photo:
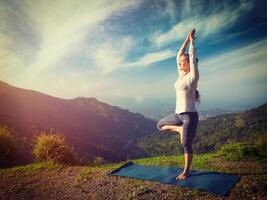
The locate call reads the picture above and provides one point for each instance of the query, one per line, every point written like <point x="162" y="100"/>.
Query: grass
<point x="29" y="169"/>
<point x="200" y="162"/>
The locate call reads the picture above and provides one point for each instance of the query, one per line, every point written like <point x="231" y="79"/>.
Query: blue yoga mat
<point x="214" y="182"/>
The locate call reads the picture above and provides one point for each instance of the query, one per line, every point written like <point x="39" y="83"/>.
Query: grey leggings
<point x="189" y="121"/>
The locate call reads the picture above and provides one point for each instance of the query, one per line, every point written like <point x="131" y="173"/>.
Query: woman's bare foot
<point x="182" y="176"/>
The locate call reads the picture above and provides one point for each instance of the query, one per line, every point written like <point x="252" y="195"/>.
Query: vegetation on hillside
<point x="52" y="147"/>
<point x="250" y="126"/>
<point x="8" y="147"/>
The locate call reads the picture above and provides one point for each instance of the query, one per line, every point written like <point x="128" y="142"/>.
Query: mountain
<point x="235" y="127"/>
<point x="92" y="128"/>
<point x="212" y="133"/>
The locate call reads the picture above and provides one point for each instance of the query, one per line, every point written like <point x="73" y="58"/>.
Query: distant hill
<point x="158" y="114"/>
<point x="212" y="133"/>
<point x="245" y="126"/>
<point x="204" y="114"/>
<point x="91" y="127"/>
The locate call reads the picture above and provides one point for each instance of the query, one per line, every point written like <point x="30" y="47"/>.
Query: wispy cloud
<point x="238" y="74"/>
<point x="61" y="28"/>
<point x="111" y="55"/>
<point x="152" y="58"/>
<point x="70" y="27"/>
<point x="164" y="9"/>
<point x="220" y="18"/>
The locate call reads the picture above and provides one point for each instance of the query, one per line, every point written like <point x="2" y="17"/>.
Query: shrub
<point x="8" y="147"/>
<point x="238" y="151"/>
<point x="100" y="161"/>
<point x="52" y="147"/>
<point x="261" y="145"/>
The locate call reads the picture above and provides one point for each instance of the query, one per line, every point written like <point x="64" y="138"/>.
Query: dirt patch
<point x="241" y="167"/>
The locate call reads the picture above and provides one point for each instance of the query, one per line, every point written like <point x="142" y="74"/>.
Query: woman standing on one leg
<point x="185" y="119"/>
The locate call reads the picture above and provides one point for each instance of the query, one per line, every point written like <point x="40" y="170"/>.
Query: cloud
<point x="152" y="58"/>
<point x="164" y="9"/>
<point x="71" y="27"/>
<point x="237" y="57"/>
<point x="236" y="75"/>
<point x="220" y="18"/>
<point x="60" y="27"/>
<point x="111" y="55"/>
<point x="171" y="9"/>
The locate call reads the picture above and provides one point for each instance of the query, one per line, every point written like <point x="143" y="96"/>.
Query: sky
<point x="124" y="52"/>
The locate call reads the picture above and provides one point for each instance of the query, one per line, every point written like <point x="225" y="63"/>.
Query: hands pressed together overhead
<point x="191" y="35"/>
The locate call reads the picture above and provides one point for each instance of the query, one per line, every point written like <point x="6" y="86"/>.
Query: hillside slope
<point x="91" y="127"/>
<point x="211" y="133"/>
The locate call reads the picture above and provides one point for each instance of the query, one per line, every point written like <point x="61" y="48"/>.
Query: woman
<point x="185" y="119"/>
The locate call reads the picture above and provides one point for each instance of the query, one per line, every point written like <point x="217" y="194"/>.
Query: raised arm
<point x="194" y="73"/>
<point x="182" y="51"/>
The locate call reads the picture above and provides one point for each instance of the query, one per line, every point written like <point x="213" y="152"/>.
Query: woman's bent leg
<point x="170" y="123"/>
<point x="173" y="128"/>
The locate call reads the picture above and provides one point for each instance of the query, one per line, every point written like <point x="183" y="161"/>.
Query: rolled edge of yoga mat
<point x="125" y="165"/>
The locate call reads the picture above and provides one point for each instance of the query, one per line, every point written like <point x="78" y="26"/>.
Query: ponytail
<point x="197" y="96"/>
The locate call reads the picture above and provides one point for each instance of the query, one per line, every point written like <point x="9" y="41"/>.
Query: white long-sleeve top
<point x="185" y="86"/>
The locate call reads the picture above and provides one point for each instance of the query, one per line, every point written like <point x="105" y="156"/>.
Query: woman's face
<point x="184" y="63"/>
